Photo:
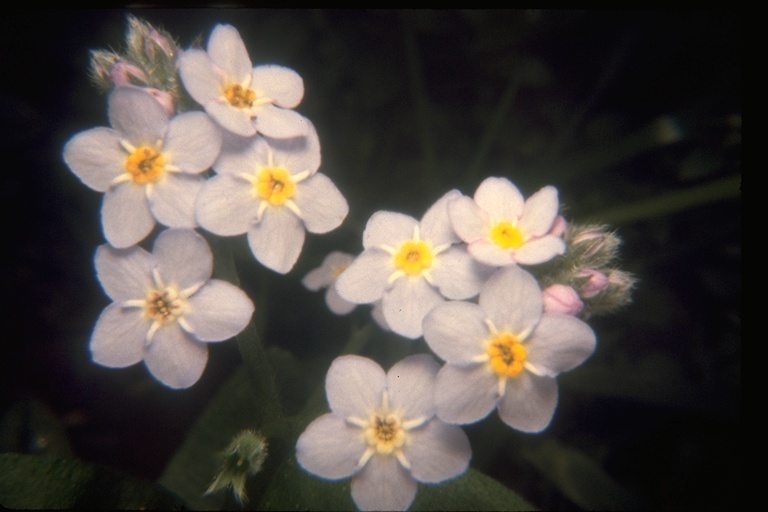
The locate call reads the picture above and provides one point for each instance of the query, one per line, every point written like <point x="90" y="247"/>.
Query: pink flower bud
<point x="558" y="226"/>
<point x="164" y="98"/>
<point x="595" y="282"/>
<point x="156" y="40"/>
<point x="126" y="73"/>
<point x="559" y="298"/>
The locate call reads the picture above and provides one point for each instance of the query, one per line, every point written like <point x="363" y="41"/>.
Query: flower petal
<point x="227" y="50"/>
<point x="383" y="484"/>
<point x="96" y="157"/>
<point x="138" y="115"/>
<point x="297" y="154"/>
<point x="465" y="394"/>
<point x="491" y="254"/>
<point x="329" y="447"/>
<point x="277" y="240"/>
<point x="559" y="343"/>
<point x="236" y="120"/>
<point x="280" y="123"/>
<point x="411" y="386"/>
<point x="437" y="452"/>
<point x="365" y="280"/>
<point x="183" y="258"/>
<point x="124" y="274"/>
<point x="407" y="303"/>
<point x="539" y="250"/>
<point x="322" y="206"/>
<point x="354" y="386"/>
<point x="175" y="358"/>
<point x="388" y="228"/>
<point x="512" y="299"/>
<point x="456" y="331"/>
<point x="282" y="84"/>
<point x="172" y="200"/>
<point x="225" y="205"/>
<point x="118" y="338"/>
<point x="500" y="199"/>
<point x="436" y="225"/>
<point x="241" y="155"/>
<point x="125" y="215"/>
<point x="529" y="402"/>
<point x="540" y="212"/>
<point x="218" y="311"/>
<point x="326" y="273"/>
<point x="457" y="275"/>
<point x="337" y="304"/>
<point x="469" y="222"/>
<point x="199" y="76"/>
<point x="193" y="142"/>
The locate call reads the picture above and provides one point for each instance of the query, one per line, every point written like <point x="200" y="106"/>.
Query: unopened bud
<point x="559" y="298"/>
<point x="243" y="458"/>
<point x="126" y="73"/>
<point x="594" y="282"/>
<point x="559" y="226"/>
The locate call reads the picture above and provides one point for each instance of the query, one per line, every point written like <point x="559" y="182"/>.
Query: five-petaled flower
<point x="325" y="276"/>
<point x="241" y="98"/>
<point x="411" y="266"/>
<point x="382" y="431"/>
<point x="148" y="167"/>
<point x="502" y="228"/>
<point x="166" y="307"/>
<point x="270" y="188"/>
<point x="504" y="353"/>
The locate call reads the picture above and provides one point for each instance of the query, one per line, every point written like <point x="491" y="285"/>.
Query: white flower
<point x="148" y="167"/>
<point x="241" y="98"/>
<point x="502" y="228"/>
<point x="270" y="188"/>
<point x="412" y="266"/>
<point x="382" y="432"/>
<point x="325" y="276"/>
<point x="166" y="307"/>
<point x="504" y="353"/>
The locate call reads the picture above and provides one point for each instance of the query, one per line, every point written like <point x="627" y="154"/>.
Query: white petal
<point x="354" y="386"/>
<point x="175" y="358"/>
<point x="457" y="274"/>
<point x="172" y="201"/>
<point x="456" y="331"/>
<point x="378" y="316"/>
<point x="529" y="402"/>
<point x="329" y="447"/>
<point x="365" y="280"/>
<point x="193" y="142"/>
<point x="436" y="225"/>
<point x="236" y="120"/>
<point x="242" y="155"/>
<point x="280" y="123"/>
<point x="512" y="300"/>
<point x="199" y="76"/>
<point x="118" y="338"/>
<point x="297" y="154"/>
<point x="124" y="274"/>
<point x="277" y="240"/>
<point x="326" y="273"/>
<point x="138" y="115"/>
<point x="560" y="343"/>
<point x="383" y="485"/>
<point x="465" y="394"/>
<point x="322" y="206"/>
<point x="218" y="311"/>
<point x="125" y="215"/>
<point x="336" y="304"/>
<point x="225" y="205"/>
<point x="388" y="228"/>
<point x="411" y="385"/>
<point x="407" y="303"/>
<point x="437" y="452"/>
<point x="96" y="157"/>
<point x="539" y="250"/>
<point x="469" y="222"/>
<point x="227" y="50"/>
<point x="491" y="254"/>
<point x="183" y="257"/>
<point x="500" y="199"/>
<point x="540" y="212"/>
<point x="283" y="85"/>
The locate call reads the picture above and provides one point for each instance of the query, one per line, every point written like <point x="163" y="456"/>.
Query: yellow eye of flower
<point x="145" y="165"/>
<point x="239" y="97"/>
<point x="414" y="257"/>
<point x="507" y="236"/>
<point x="274" y="184"/>
<point x="507" y="354"/>
<point x="385" y="433"/>
<point x="162" y="306"/>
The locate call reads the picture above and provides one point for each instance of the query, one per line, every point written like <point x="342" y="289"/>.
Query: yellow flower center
<point x="507" y="236"/>
<point x="274" y="184"/>
<point x="414" y="257"/>
<point x="507" y="354"/>
<point x="385" y="433"/>
<point x="145" y="165"/>
<point x="239" y="97"/>
<point x="163" y="306"/>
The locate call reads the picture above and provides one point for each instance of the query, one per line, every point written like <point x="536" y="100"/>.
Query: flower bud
<point x="243" y="458"/>
<point x="559" y="226"/>
<point x="594" y="282"/>
<point x="559" y="298"/>
<point x="126" y="73"/>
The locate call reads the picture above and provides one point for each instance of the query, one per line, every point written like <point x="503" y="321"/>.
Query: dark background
<point x="618" y="109"/>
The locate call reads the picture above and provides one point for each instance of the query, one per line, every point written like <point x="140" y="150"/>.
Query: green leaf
<point x="472" y="491"/>
<point x="45" y="482"/>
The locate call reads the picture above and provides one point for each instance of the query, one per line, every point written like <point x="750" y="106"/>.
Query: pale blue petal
<point x="236" y="120"/>
<point x="407" y="303"/>
<point x="125" y="274"/>
<point x="330" y="447"/>
<point x="175" y="358"/>
<point x="218" y="311"/>
<point x="96" y="157"/>
<point x="137" y="115"/>
<point x="297" y="154"/>
<point x="529" y="402"/>
<point x="512" y="300"/>
<point x="437" y="452"/>
<point x="199" y="76"/>
<point x="280" y="123"/>
<point x="465" y="394"/>
<point x="326" y="273"/>
<point x="277" y="240"/>
<point x="193" y="142"/>
<point x="500" y="199"/>
<point x="490" y="254"/>
<point x="227" y="50"/>
<point x="354" y="386"/>
<point x="183" y="258"/>
<point x="383" y="484"/>
<point x="411" y="385"/>
<point x="320" y="203"/>
<point x="118" y="338"/>
<point x="539" y="212"/>
<point x="125" y="215"/>
<point x="436" y="225"/>
<point x="388" y="228"/>
<point x="539" y="250"/>
<point x="282" y="84"/>
<point x="226" y="206"/>
<point x="365" y="280"/>
<point x="172" y="201"/>
<point x="469" y="222"/>
<point x="242" y="155"/>
<point x="336" y="304"/>
<point x="457" y="274"/>
<point x="456" y="331"/>
<point x="559" y="343"/>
